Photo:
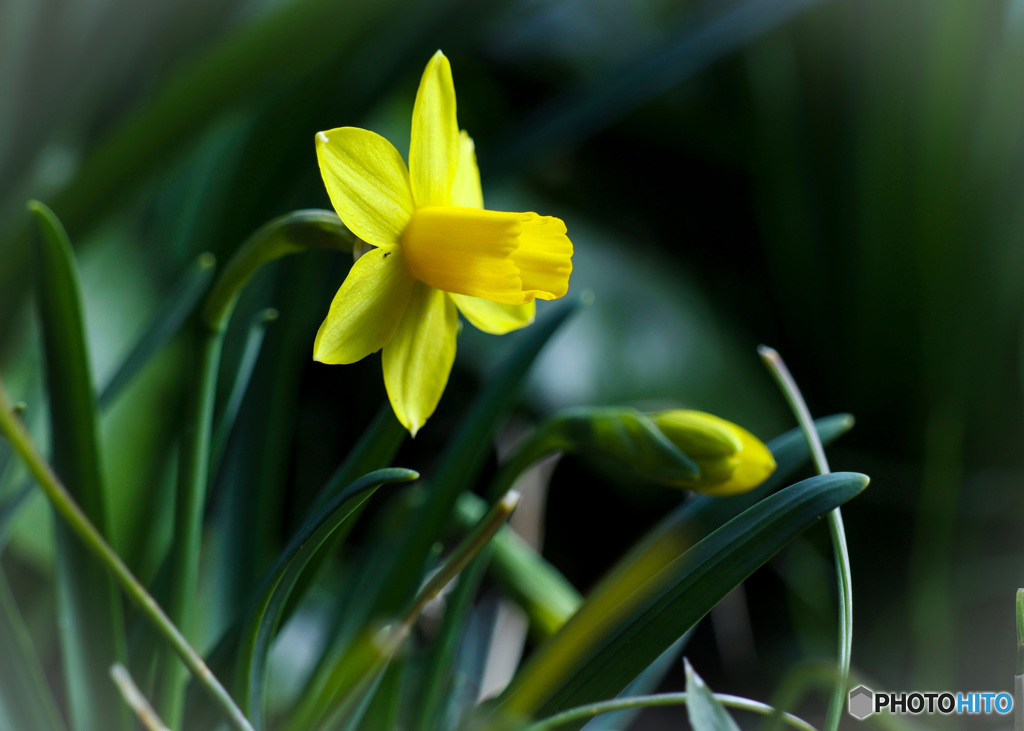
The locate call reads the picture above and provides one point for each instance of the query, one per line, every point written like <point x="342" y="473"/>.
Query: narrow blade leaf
<point x="619" y="632"/>
<point x="263" y="620"/>
<point x="92" y="637"/>
<point x="702" y="708"/>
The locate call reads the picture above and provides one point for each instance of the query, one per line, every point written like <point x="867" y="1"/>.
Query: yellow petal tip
<point x="321" y="137"/>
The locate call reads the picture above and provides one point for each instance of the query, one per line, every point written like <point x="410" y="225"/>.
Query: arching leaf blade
<point x="626" y="627"/>
<point x="304" y="545"/>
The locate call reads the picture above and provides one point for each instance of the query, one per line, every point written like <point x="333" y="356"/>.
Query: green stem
<point x="68" y="509"/>
<point x="791" y="391"/>
<point x="582" y="713"/>
<point x="465" y="552"/>
<point x="289" y="234"/>
<point x="469" y="510"/>
<point x="533" y="583"/>
<point x="193" y="471"/>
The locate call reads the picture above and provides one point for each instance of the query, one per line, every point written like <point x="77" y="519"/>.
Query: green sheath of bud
<point x="679" y="448"/>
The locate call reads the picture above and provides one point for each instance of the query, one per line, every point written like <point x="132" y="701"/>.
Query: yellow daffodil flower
<point x="731" y="459"/>
<point x="433" y="251"/>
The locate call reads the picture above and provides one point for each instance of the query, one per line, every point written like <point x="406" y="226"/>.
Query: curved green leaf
<point x="288" y="234"/>
<point x="90" y="612"/>
<point x="620" y="631"/>
<point x="263" y="620"/>
<point x="374" y="450"/>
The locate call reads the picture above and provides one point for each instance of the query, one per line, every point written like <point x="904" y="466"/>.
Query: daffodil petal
<point x="367" y="181"/>
<point x="494" y="317"/>
<point x="466" y="190"/>
<point x="434" y="145"/>
<point x="367" y="309"/>
<point x="419" y="357"/>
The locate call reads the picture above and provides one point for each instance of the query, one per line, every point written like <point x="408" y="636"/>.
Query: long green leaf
<point x="263" y="620"/>
<point x="344" y="703"/>
<point x="250" y="355"/>
<point x="26" y="701"/>
<point x="374" y="451"/>
<point x="92" y="636"/>
<point x="289" y="234"/>
<point x="646" y="682"/>
<point x="702" y="708"/>
<point x="622" y="630"/>
<point x="164" y="325"/>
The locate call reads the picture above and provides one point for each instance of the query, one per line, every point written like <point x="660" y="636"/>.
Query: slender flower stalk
<point x="467" y="550"/>
<point x="583" y="713"/>
<point x="79" y="523"/>
<point x="777" y="367"/>
<point x="288" y="234"/>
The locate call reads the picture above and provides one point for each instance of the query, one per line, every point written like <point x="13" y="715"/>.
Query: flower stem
<point x="68" y="509"/>
<point x="791" y="391"/>
<point x="582" y="713"/>
<point x="288" y="234"/>
<point x="193" y="471"/>
<point x="470" y="547"/>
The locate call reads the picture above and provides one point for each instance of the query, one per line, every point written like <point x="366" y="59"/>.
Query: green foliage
<point x="318" y="607"/>
<point x="619" y="632"/>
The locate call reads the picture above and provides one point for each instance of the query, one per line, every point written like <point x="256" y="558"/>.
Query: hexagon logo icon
<point x="861" y="703"/>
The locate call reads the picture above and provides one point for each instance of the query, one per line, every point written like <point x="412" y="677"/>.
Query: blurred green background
<point x="840" y="179"/>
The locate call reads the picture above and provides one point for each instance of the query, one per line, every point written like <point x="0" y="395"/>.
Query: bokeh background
<point x="841" y="179"/>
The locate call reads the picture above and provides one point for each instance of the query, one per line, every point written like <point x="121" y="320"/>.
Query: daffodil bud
<point x="731" y="459"/>
<point x="624" y="434"/>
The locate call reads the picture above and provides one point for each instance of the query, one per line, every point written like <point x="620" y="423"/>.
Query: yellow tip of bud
<point x="731" y="459"/>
